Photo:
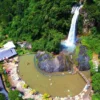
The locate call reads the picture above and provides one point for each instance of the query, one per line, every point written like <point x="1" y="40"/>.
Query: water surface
<point x="55" y="85"/>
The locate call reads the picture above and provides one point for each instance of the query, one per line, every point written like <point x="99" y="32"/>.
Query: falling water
<point x="69" y="43"/>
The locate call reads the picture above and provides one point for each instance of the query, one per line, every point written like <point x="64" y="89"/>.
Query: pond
<point x="57" y="84"/>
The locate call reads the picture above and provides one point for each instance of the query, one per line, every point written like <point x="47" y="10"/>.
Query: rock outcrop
<point x="62" y="62"/>
<point x="83" y="59"/>
<point x="51" y="63"/>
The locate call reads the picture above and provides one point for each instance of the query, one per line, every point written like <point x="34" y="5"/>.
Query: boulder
<point x="51" y="63"/>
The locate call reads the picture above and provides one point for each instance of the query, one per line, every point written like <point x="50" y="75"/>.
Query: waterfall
<point x="69" y="43"/>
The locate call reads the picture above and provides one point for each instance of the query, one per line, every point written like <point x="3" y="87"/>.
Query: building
<point x="7" y="51"/>
<point x="25" y="44"/>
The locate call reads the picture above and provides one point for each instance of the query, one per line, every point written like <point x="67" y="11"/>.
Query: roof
<point x="6" y="53"/>
<point x="9" y="44"/>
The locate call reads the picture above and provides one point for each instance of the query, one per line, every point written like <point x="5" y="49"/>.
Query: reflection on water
<point x="55" y="85"/>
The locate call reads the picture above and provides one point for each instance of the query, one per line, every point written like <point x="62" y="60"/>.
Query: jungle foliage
<point x="44" y="23"/>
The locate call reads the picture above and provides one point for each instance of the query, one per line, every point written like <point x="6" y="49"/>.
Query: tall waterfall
<point x="69" y="43"/>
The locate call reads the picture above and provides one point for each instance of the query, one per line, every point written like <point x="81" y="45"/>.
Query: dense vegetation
<point x="2" y="97"/>
<point x="14" y="95"/>
<point x="92" y="42"/>
<point x="44" y="23"/>
<point x="41" y="22"/>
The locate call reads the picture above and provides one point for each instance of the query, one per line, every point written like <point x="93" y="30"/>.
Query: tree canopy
<point x="2" y="97"/>
<point x="44" y="23"/>
<point x="14" y="95"/>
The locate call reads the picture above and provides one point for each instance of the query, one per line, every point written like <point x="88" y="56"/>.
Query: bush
<point x="1" y="69"/>
<point x="2" y="97"/>
<point x="13" y="95"/>
<point x="7" y="81"/>
<point x="92" y="43"/>
<point x="46" y="96"/>
<point x="96" y="82"/>
<point x="96" y="97"/>
<point x="92" y="68"/>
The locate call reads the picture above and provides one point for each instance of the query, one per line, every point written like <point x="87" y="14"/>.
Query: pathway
<point x="87" y="89"/>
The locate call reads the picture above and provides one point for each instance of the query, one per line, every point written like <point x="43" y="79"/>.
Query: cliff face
<point x="90" y="14"/>
<point x="87" y="23"/>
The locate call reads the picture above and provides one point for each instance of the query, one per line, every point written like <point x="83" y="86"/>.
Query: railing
<point x="83" y="76"/>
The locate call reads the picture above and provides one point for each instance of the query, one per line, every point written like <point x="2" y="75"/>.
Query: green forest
<point x="44" y="23"/>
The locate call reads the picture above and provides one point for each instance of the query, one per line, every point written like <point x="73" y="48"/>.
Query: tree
<point x="92" y="42"/>
<point x="2" y="97"/>
<point x="96" y="97"/>
<point x="96" y="82"/>
<point x="99" y="68"/>
<point x="13" y="95"/>
<point x="89" y="1"/>
<point x="43" y="23"/>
